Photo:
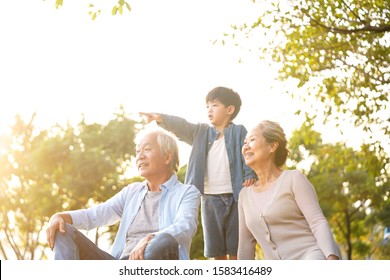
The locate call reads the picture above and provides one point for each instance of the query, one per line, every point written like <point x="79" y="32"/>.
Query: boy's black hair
<point x="227" y="97"/>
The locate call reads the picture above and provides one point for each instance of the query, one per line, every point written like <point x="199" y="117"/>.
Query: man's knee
<point x="162" y="247"/>
<point x="65" y="245"/>
<point x="70" y="232"/>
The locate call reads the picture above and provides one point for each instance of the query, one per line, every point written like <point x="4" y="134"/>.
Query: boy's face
<point x="218" y="113"/>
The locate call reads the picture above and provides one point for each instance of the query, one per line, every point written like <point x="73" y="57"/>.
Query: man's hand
<point x="151" y="117"/>
<point x="56" y="223"/>
<point x="138" y="252"/>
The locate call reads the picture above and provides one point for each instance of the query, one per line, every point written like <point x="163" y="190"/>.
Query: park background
<point x="74" y="74"/>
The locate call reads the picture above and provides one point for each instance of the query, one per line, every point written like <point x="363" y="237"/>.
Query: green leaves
<point x="94" y="12"/>
<point x="337" y="49"/>
<point x="352" y="187"/>
<point x="114" y="10"/>
<point x="119" y="7"/>
<point x="59" y="3"/>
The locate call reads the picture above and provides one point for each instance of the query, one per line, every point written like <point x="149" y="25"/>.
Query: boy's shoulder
<point x="237" y="127"/>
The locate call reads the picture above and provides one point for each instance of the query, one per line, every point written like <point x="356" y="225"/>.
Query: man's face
<point x="149" y="160"/>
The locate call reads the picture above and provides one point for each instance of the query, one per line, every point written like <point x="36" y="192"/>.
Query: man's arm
<point x="57" y="223"/>
<point x="106" y="213"/>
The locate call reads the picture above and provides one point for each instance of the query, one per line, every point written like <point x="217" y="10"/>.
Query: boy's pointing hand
<point x="149" y="117"/>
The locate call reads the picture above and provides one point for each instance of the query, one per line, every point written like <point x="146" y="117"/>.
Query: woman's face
<point x="256" y="150"/>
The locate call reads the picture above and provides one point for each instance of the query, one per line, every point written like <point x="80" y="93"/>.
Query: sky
<point x="160" y="57"/>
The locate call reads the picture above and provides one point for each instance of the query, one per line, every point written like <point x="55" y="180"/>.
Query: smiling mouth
<point x="247" y="155"/>
<point x="141" y="165"/>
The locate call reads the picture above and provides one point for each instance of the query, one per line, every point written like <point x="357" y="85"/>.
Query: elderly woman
<point x="281" y="210"/>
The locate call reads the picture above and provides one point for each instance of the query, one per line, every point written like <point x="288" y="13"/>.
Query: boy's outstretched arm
<point x="151" y="117"/>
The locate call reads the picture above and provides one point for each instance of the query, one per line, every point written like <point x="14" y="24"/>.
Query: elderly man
<point x="158" y="217"/>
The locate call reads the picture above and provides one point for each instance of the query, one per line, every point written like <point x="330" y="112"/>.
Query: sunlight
<point x="59" y="91"/>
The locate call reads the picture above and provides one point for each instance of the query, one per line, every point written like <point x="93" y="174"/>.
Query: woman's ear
<point x="274" y="146"/>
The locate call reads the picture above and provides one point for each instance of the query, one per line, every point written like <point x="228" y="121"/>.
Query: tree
<point x="352" y="187"/>
<point x="338" y="51"/>
<point x="58" y="169"/>
<point x="23" y="196"/>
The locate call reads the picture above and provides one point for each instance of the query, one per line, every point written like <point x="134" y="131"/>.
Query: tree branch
<point x="366" y="28"/>
<point x="9" y="236"/>
<point x="353" y="12"/>
<point x="3" y="251"/>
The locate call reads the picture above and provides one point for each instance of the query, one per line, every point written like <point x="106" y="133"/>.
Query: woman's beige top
<point x="291" y="226"/>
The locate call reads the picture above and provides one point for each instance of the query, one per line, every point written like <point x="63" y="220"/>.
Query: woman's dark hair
<point x="273" y="132"/>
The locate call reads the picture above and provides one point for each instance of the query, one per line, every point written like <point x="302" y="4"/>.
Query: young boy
<point x="216" y="167"/>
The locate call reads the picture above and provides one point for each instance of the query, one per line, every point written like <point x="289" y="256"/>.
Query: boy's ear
<point x="231" y="109"/>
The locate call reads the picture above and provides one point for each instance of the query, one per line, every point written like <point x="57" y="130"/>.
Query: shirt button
<point x="274" y="248"/>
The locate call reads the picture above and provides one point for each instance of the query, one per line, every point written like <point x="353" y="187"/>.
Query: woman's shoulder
<point x="294" y="175"/>
<point x="245" y="190"/>
<point x="297" y="179"/>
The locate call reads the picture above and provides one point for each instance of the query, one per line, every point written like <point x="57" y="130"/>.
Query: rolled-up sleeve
<point x="104" y="214"/>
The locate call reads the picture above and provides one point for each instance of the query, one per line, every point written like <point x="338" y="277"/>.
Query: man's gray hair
<point x="167" y="143"/>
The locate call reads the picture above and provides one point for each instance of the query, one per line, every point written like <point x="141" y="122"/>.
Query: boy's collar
<point x="213" y="126"/>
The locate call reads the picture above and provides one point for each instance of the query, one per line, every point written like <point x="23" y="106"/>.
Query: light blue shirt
<point x="178" y="213"/>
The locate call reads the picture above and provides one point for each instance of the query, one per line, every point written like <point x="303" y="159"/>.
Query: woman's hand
<point x="333" y="257"/>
